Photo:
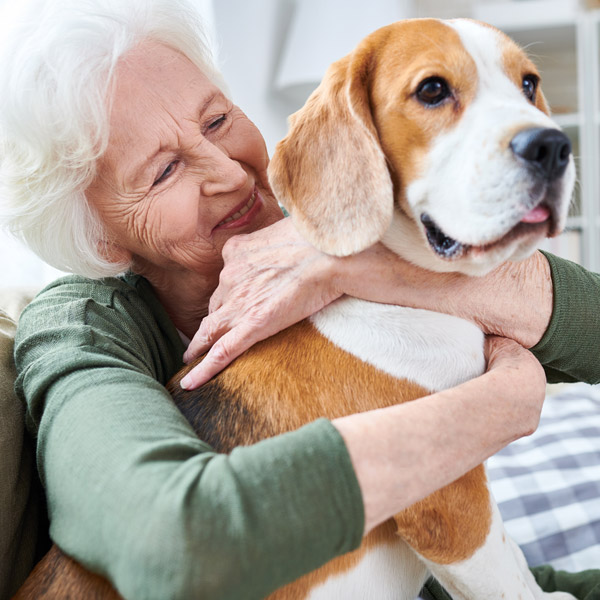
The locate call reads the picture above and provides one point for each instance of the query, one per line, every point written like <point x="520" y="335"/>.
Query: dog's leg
<point x="497" y="570"/>
<point x="471" y="566"/>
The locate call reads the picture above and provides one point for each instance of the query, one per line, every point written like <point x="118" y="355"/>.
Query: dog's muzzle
<point x="545" y="153"/>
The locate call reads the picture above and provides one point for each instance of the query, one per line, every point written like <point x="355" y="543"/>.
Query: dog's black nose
<point x="547" y="150"/>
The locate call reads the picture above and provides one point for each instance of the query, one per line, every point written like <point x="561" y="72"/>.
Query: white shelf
<point x="514" y="15"/>
<point x="568" y="120"/>
<point x="567" y="245"/>
<point x="576" y="222"/>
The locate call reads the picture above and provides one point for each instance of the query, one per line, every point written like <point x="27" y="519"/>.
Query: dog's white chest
<point x="434" y="350"/>
<point x="385" y="572"/>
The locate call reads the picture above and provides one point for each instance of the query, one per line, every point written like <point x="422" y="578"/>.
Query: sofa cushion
<point x="21" y="505"/>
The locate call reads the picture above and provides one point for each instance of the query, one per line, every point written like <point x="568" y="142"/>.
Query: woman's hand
<point x="518" y="382"/>
<point x="272" y="279"/>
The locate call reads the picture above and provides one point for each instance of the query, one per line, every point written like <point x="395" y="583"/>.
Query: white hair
<point x="57" y="60"/>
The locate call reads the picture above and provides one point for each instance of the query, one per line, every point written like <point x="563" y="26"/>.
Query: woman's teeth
<point x="240" y="212"/>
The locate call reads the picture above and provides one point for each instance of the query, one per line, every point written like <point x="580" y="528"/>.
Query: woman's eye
<point x="166" y="173"/>
<point x="530" y="85"/>
<point x="217" y="122"/>
<point x="433" y="91"/>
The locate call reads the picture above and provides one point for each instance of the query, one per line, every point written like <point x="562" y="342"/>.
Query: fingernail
<point x="186" y="382"/>
<point x="185" y="357"/>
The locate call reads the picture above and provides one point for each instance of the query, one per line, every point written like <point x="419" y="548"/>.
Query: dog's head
<point x="433" y="137"/>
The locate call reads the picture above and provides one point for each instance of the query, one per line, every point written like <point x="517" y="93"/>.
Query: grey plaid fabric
<point x="548" y="485"/>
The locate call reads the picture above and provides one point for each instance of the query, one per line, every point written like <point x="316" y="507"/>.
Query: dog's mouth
<point x="443" y="245"/>
<point x="539" y="221"/>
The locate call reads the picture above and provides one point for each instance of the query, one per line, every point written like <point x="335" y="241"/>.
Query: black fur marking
<point x="219" y="416"/>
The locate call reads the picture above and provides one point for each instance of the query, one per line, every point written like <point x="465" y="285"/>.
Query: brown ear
<point x="330" y="172"/>
<point x="542" y="103"/>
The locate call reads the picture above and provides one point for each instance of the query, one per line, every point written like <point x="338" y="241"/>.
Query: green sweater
<point x="135" y="495"/>
<point x="570" y="348"/>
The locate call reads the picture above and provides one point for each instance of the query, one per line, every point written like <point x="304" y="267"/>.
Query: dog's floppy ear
<point x="330" y="172"/>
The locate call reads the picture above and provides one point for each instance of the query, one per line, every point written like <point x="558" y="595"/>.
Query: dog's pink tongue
<point x="538" y="215"/>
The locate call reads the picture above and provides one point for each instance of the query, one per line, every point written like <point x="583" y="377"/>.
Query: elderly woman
<point x="125" y="162"/>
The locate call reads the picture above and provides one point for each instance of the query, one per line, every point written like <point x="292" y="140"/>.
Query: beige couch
<point x="23" y="528"/>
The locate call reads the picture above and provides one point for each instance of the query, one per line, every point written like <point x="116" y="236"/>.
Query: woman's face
<point x="184" y="170"/>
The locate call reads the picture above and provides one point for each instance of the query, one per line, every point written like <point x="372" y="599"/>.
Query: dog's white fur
<point x="434" y="350"/>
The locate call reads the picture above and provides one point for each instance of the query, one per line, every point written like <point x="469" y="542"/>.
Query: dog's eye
<point x="530" y="85"/>
<point x="433" y="91"/>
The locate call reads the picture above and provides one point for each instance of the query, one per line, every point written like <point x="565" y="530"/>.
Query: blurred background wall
<point x="274" y="52"/>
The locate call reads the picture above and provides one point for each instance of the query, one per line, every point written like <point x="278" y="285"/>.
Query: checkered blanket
<point x="548" y="485"/>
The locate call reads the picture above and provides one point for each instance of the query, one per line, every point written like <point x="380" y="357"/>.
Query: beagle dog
<point x="434" y="138"/>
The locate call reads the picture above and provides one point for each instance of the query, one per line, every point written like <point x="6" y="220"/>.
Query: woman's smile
<point x="242" y="214"/>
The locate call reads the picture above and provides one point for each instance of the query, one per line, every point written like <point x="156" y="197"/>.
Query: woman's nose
<point x="224" y="174"/>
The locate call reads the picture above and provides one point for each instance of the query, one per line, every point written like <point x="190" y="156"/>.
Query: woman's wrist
<point x="514" y="301"/>
<point x="379" y="275"/>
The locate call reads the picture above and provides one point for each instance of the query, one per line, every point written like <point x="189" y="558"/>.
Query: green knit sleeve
<point x="570" y="348"/>
<point x="134" y="494"/>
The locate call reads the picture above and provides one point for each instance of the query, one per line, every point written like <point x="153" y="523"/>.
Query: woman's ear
<point x="114" y="253"/>
<point x="330" y="172"/>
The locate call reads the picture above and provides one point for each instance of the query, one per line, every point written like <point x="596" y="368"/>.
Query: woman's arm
<point x="403" y="453"/>
<point x="133" y="493"/>
<point x="273" y="278"/>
